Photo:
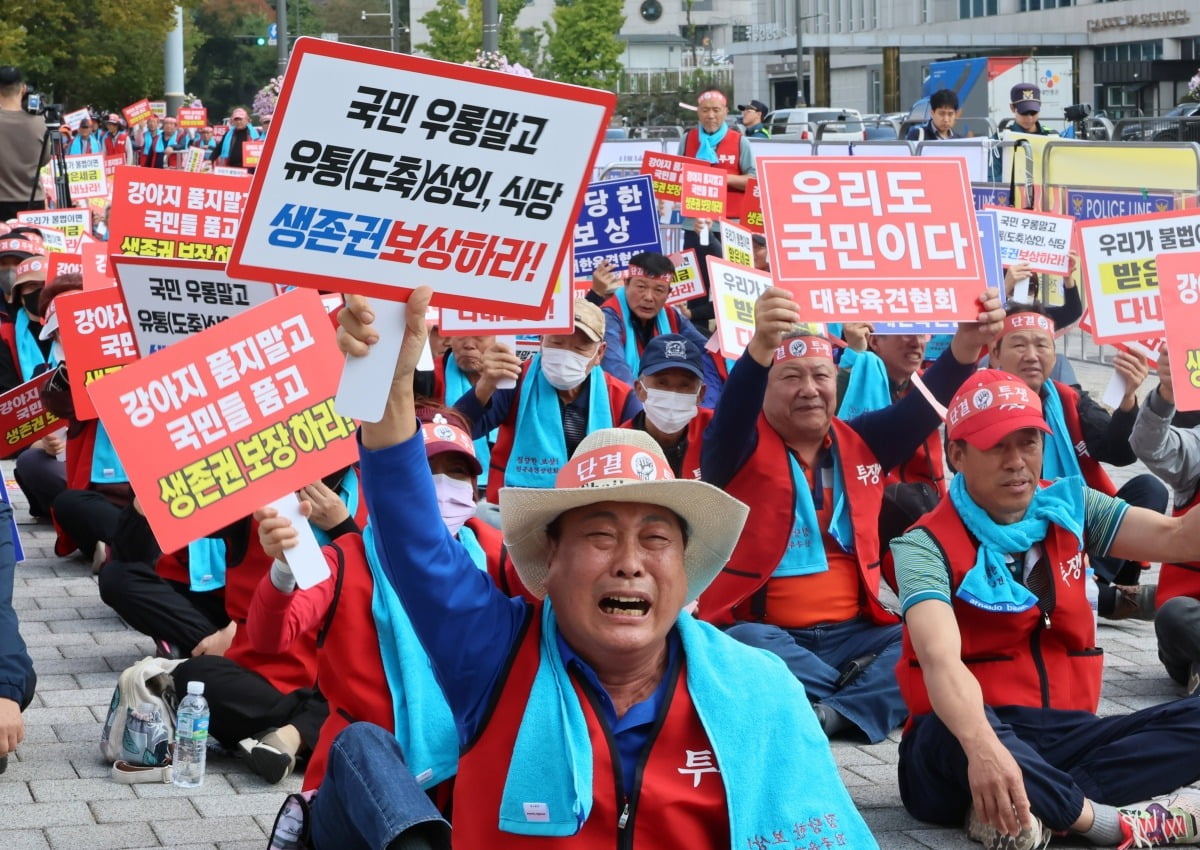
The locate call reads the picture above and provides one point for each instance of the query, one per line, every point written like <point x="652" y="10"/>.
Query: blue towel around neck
<point x="106" y="466"/>
<point x="767" y="788"/>
<point x="868" y="389"/>
<point x="633" y="357"/>
<point x="805" y="552"/>
<point x="1058" y="454"/>
<point x="424" y="724"/>
<point x="206" y="564"/>
<point x="707" y="149"/>
<point x="539" y="431"/>
<point x="457" y="386"/>
<point x="28" y="350"/>
<point x="989" y="585"/>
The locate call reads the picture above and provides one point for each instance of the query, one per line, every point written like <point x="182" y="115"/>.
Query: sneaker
<point x="292" y="827"/>
<point x="269" y="757"/>
<point x="1164" y="822"/>
<point x="1032" y="837"/>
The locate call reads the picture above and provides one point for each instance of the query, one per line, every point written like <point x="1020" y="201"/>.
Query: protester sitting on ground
<point x="637" y="312"/>
<point x="1000" y="668"/>
<point x="363" y="634"/>
<point x="24" y="355"/>
<point x="17" y="677"/>
<point x="561" y="396"/>
<point x="669" y="387"/>
<point x="86" y="513"/>
<point x="557" y="701"/>
<point x="1172" y="452"/>
<point x="804" y="583"/>
<point x="876" y="370"/>
<point x="1082" y="436"/>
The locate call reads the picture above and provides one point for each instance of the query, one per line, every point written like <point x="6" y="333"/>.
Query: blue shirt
<point x="466" y="624"/>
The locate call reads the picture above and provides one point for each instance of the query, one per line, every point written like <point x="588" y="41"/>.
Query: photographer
<point x="23" y="148"/>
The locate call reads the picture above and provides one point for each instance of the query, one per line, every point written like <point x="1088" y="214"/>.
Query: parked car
<point x="810" y="123"/>
<point x="1181" y="131"/>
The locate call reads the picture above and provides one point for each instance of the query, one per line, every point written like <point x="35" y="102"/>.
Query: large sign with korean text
<point x="1179" y="289"/>
<point x="1041" y="240"/>
<point x="72" y="223"/>
<point x="618" y="219"/>
<point x="96" y="340"/>
<point x="223" y="422"/>
<point x="1121" y="270"/>
<point x="86" y="177"/>
<point x="858" y="239"/>
<point x="171" y="299"/>
<point x="734" y="290"/>
<point x="559" y="319"/>
<point x="23" y="418"/>
<point x="384" y="171"/>
<point x="174" y="215"/>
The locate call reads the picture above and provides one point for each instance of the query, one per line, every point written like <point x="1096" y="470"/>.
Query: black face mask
<point x="30" y="301"/>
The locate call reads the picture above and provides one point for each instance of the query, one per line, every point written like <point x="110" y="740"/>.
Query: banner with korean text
<point x="1179" y="289"/>
<point x="383" y="171"/>
<point x="23" y="418"/>
<point x="688" y="283"/>
<point x="174" y="215"/>
<point x="559" y="319"/>
<point x="735" y="288"/>
<point x="72" y="223"/>
<point x="136" y="113"/>
<point x="859" y="239"/>
<point x="1121" y="272"/>
<point x="704" y="191"/>
<point x="86" y="177"/>
<point x="1043" y="240"/>
<point x="666" y="173"/>
<point x="96" y="340"/>
<point x="191" y="117"/>
<point x="168" y="300"/>
<point x="618" y="219"/>
<point x="219" y="424"/>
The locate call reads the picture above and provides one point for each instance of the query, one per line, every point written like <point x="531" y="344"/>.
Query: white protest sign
<point x="74" y="119"/>
<point x="73" y="223"/>
<point x="305" y="559"/>
<point x="86" y="177"/>
<point x="737" y="245"/>
<point x="1043" y="240"/>
<point x="688" y="283"/>
<point x="54" y="241"/>
<point x="1121" y="270"/>
<point x="560" y="319"/>
<point x="734" y="290"/>
<point x="167" y="300"/>
<point x="230" y="171"/>
<point x="384" y="171"/>
<point x="192" y="159"/>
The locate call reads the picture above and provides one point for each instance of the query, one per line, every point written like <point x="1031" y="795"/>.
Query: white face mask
<point x="564" y="369"/>
<point x="667" y="411"/>
<point x="456" y="501"/>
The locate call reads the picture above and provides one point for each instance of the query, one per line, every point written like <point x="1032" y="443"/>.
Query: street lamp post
<point x="391" y="14"/>
<point x="800" y="19"/>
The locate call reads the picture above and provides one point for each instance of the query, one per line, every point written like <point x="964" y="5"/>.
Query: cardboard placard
<point x="734" y="290"/>
<point x="192" y="117"/>
<point x="737" y="245"/>
<point x="252" y="150"/>
<point x="752" y="214"/>
<point x="433" y="182"/>
<point x="167" y="300"/>
<point x="1041" y="239"/>
<point x="159" y="108"/>
<point x="137" y="112"/>
<point x="860" y="239"/>
<point x="97" y="271"/>
<point x="23" y="418"/>
<point x="96" y="340"/>
<point x="72" y="223"/>
<point x="688" y="282"/>
<point x="226" y="421"/>
<point x="168" y="214"/>
<point x="703" y="192"/>
<point x="86" y="177"/>
<point x="618" y="219"/>
<point x="666" y="173"/>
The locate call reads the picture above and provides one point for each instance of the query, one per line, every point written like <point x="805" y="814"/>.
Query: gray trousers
<point x="1177" y="625"/>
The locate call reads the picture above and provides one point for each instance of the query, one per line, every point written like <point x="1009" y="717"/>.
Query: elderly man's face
<point x="468" y="351"/>
<point x="712" y="114"/>
<point x="617" y="580"/>
<point x="901" y="354"/>
<point x="801" y="398"/>
<point x="1002" y="479"/>
<point x="1028" y="353"/>
<point x="646" y="296"/>
<point x="169" y="125"/>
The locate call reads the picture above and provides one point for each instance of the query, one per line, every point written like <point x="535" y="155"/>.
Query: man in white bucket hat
<point x="601" y="715"/>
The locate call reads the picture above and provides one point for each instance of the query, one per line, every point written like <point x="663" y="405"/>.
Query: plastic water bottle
<point x="191" y="738"/>
<point x="1093" y="594"/>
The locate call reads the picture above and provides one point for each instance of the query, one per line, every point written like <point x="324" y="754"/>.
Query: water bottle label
<point x="199" y="728"/>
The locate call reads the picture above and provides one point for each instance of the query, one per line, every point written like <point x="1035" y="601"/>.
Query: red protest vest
<point x="680" y="795"/>
<point x="1018" y="659"/>
<point x="927" y="466"/>
<point x="672" y="320"/>
<point x="349" y="666"/>
<point x="1093" y="473"/>
<point x="618" y="395"/>
<point x="695" y="440"/>
<point x="1180" y="579"/>
<point x="765" y="484"/>
<point x="729" y="151"/>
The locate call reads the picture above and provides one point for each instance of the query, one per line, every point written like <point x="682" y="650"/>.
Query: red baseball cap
<point x="441" y="435"/>
<point x="990" y="406"/>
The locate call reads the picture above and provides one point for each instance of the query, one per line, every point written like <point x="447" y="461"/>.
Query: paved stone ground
<point x="57" y="793"/>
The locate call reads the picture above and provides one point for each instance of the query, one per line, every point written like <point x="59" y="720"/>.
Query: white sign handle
<point x="366" y="381"/>
<point x="306" y="560"/>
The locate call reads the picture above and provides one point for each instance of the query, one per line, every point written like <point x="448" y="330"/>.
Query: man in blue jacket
<point x="17" y="679"/>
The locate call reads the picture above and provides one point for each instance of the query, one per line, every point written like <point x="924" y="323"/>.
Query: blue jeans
<point x="1064" y="757"/>
<point x="816" y="657"/>
<point x="370" y="801"/>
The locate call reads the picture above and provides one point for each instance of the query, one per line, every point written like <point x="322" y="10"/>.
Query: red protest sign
<point x="23" y="418"/>
<point x="192" y="116"/>
<point x="96" y="339"/>
<point x="703" y="194"/>
<point x="136" y="113"/>
<point x="859" y="239"/>
<point x="1179" y="289"/>
<point x="96" y="270"/>
<point x="61" y="263"/>
<point x="184" y="215"/>
<point x="666" y="173"/>
<point x="688" y="283"/>
<point x="219" y="424"/>
<point x="219" y="131"/>
<point x="443" y="185"/>
<point x="752" y="216"/>
<point x="252" y="152"/>
<point x="110" y="165"/>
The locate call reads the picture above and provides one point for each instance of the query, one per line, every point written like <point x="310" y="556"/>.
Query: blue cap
<point x="672" y="351"/>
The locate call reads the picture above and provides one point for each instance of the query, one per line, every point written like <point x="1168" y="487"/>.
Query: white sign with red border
<point x="1041" y="239"/>
<point x="560" y="319"/>
<point x="384" y="171"/>
<point x="734" y="290"/>
<point x="688" y="283"/>
<point x="86" y="177"/>
<point x="73" y="223"/>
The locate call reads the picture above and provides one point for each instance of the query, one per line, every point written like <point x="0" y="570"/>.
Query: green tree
<point x="455" y="34"/>
<point x="223" y="72"/>
<point x="582" y="45"/>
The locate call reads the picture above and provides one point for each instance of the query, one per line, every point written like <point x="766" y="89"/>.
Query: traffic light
<point x="258" y="40"/>
<point x="261" y="41"/>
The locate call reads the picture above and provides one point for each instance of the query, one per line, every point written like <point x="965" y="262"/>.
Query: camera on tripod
<point x="1077" y="112"/>
<point x="52" y="112"/>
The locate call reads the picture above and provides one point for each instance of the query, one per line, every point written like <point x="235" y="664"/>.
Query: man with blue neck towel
<point x="1000" y="669"/>
<point x="601" y="715"/>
